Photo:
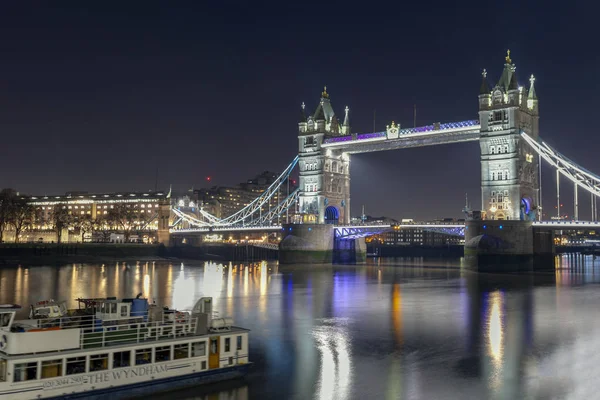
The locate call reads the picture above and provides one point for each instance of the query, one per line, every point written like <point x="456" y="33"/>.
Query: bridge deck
<point x="458" y="132"/>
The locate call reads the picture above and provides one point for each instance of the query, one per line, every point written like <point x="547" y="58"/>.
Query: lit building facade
<point x="149" y="213"/>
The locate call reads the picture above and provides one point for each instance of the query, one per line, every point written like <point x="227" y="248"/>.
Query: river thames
<point x="390" y="329"/>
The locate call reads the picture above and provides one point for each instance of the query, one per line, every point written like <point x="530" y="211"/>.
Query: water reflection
<point x="392" y="329"/>
<point x="336" y="365"/>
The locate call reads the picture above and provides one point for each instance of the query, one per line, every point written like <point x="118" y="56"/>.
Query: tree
<point x="121" y="217"/>
<point x="85" y="224"/>
<point x="102" y="225"/>
<point x="61" y="219"/>
<point x="21" y="216"/>
<point x="6" y="203"/>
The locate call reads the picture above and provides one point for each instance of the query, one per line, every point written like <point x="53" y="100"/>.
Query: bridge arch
<point x="332" y="215"/>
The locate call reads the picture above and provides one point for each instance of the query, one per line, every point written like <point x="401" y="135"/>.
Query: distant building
<point x="149" y="210"/>
<point x="418" y="236"/>
<point x="223" y="201"/>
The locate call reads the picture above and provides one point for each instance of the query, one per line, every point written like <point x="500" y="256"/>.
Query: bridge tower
<point x="509" y="168"/>
<point x="324" y="174"/>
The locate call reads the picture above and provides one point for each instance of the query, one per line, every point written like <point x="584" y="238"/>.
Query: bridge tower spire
<point x="509" y="178"/>
<point x="324" y="174"/>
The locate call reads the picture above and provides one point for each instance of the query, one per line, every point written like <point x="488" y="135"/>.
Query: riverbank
<point x="60" y="254"/>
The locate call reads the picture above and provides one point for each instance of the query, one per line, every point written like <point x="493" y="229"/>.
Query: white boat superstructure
<point x="109" y="348"/>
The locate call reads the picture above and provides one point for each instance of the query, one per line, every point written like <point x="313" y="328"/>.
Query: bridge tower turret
<point x="324" y="174"/>
<point x="509" y="169"/>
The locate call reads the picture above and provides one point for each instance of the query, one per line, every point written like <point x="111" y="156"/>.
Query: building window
<point x="24" y="372"/>
<point x="75" y="365"/>
<point x="506" y="148"/>
<point x="143" y="356"/>
<point x="162" y="354"/>
<point x="227" y="345"/>
<point x="198" y="349"/>
<point x="492" y="149"/>
<point x="498" y="116"/>
<point x="493" y="176"/>
<point x="239" y="343"/>
<point x="506" y="192"/>
<point x="98" y="362"/>
<point x="121" y="359"/>
<point x="181" y="351"/>
<point x="51" y="368"/>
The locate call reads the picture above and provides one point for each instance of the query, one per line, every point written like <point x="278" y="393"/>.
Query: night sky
<point x="94" y="98"/>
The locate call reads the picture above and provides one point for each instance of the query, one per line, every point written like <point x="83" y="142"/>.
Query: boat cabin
<point x="48" y="309"/>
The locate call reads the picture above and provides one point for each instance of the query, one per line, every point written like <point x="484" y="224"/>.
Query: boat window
<point x="52" y="368"/>
<point x="121" y="359"/>
<point x="181" y="351"/>
<point x="98" y="362"/>
<point x="227" y="344"/>
<point x="113" y="308"/>
<point x="239" y="342"/>
<point x="5" y="319"/>
<point x="123" y="311"/>
<point x="198" y="349"/>
<point x="143" y="356"/>
<point x="214" y="348"/>
<point x="2" y="370"/>
<point x="203" y="366"/>
<point x="75" y="365"/>
<point x="162" y="354"/>
<point x="24" y="371"/>
<point x="230" y="360"/>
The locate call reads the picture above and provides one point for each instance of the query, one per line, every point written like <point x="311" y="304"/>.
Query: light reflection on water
<point x="394" y="329"/>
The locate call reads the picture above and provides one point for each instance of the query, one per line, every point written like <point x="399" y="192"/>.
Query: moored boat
<point x="109" y="348"/>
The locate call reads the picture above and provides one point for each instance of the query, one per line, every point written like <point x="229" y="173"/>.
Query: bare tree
<point x="85" y="224"/>
<point x="21" y="216"/>
<point x="103" y="227"/>
<point x="6" y="203"/>
<point x="123" y="217"/>
<point x="61" y="220"/>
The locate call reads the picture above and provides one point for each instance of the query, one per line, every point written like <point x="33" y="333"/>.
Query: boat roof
<point x="9" y="307"/>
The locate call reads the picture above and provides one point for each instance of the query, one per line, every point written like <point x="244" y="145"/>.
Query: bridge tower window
<point x="492" y="149"/>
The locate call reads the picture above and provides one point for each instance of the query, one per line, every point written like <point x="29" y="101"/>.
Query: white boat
<point x="111" y="349"/>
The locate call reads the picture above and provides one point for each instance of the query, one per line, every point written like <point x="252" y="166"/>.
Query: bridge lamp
<point x="345" y="156"/>
<point x="328" y="153"/>
<point x="493" y="209"/>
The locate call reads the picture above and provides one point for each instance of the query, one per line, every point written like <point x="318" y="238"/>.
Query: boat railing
<point x="96" y="332"/>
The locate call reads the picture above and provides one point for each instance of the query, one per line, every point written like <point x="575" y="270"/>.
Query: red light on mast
<point x="208" y="178"/>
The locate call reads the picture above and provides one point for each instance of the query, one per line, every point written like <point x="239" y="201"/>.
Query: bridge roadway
<point x="453" y="132"/>
<point x="353" y="231"/>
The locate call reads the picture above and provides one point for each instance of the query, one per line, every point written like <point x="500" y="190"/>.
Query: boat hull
<point x="161" y="385"/>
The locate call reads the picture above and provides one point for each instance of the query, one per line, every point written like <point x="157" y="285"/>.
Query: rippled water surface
<point x="392" y="329"/>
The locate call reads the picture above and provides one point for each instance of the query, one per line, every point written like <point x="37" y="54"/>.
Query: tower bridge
<point x="511" y="152"/>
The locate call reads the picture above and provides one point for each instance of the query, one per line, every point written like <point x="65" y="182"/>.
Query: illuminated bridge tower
<point x="324" y="174"/>
<point x="509" y="169"/>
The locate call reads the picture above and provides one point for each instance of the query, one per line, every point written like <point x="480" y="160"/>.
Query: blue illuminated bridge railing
<point x="407" y="131"/>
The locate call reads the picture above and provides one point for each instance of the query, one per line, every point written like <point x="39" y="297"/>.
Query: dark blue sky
<point x="94" y="97"/>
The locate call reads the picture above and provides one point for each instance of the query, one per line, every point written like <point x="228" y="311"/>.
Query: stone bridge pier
<point x="317" y="244"/>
